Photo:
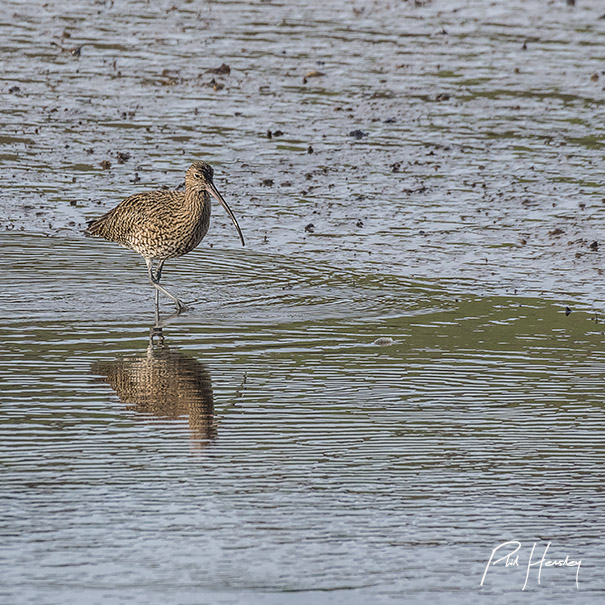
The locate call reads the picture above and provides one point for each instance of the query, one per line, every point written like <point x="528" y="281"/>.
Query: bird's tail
<point x="94" y="227"/>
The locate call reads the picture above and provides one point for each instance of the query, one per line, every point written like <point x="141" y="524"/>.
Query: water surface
<point x="376" y="392"/>
<point x="270" y="452"/>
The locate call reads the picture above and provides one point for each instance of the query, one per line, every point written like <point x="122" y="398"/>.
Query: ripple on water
<point x="272" y="453"/>
<point x="268" y="442"/>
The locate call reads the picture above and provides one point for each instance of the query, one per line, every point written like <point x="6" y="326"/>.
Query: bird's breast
<point x="174" y="234"/>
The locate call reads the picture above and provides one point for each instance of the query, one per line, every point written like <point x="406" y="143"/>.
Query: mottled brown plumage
<point x="165" y="384"/>
<point x="164" y="224"/>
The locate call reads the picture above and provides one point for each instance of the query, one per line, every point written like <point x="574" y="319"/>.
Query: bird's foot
<point x="181" y="307"/>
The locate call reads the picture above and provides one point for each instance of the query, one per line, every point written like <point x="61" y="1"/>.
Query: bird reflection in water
<point x="164" y="384"/>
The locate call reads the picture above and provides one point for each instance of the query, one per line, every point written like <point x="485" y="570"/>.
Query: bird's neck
<point x="197" y="203"/>
<point x="196" y="197"/>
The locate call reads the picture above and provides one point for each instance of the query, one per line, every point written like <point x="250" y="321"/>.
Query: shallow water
<point x="270" y="452"/>
<point x="358" y="412"/>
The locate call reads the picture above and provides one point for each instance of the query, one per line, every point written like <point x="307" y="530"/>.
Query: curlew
<point x="164" y="224"/>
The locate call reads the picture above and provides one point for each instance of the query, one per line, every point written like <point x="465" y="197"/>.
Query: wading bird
<point x="164" y="224"/>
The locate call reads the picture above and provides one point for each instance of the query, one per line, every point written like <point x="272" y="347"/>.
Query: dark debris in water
<point x="358" y="134"/>
<point x="122" y="157"/>
<point x="222" y="70"/>
<point x="74" y="51"/>
<point x="216" y="85"/>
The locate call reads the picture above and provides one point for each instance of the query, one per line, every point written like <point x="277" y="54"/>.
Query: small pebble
<point x="383" y="341"/>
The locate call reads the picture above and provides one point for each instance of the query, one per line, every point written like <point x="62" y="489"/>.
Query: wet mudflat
<point x="376" y="392"/>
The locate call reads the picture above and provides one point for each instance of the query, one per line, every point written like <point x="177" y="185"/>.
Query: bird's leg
<point x="180" y="306"/>
<point x="158" y="275"/>
<point x="157" y="297"/>
<point x="158" y="271"/>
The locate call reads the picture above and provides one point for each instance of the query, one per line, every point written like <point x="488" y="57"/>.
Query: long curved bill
<point x="214" y="192"/>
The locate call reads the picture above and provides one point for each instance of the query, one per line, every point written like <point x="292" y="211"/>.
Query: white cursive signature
<point x="511" y="559"/>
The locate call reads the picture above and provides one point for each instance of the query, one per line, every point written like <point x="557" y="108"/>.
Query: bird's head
<point x="199" y="178"/>
<point x="199" y="175"/>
